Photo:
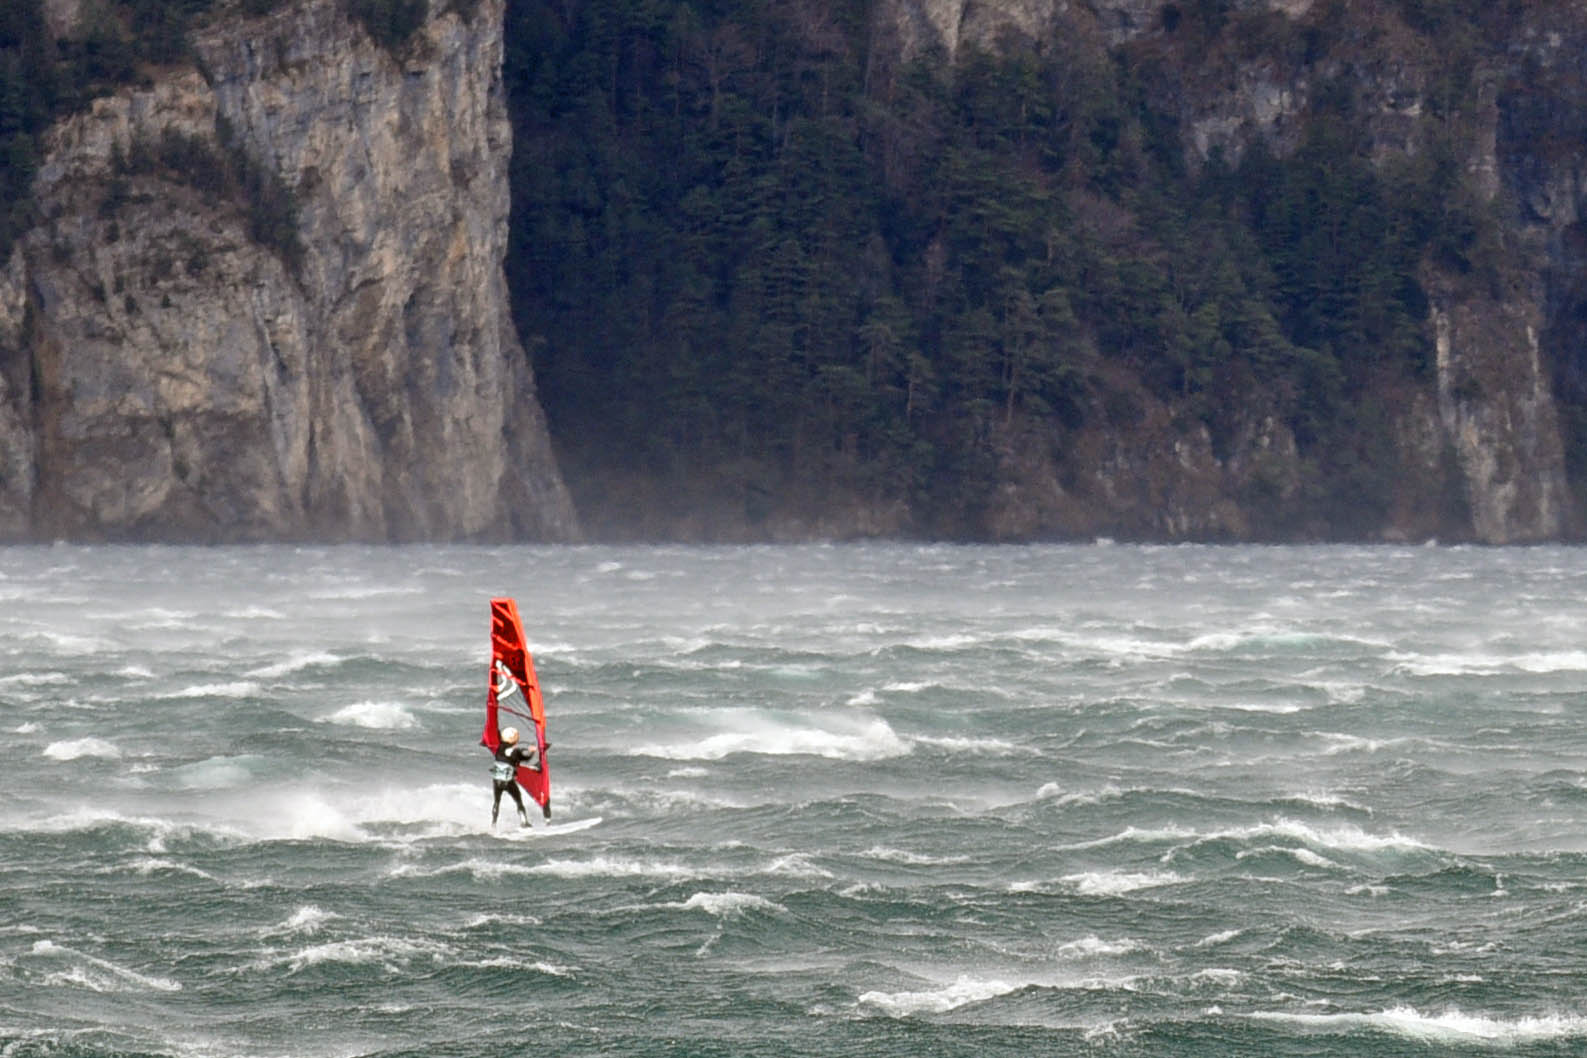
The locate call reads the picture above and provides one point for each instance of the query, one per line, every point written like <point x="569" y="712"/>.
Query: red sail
<point x="514" y="690"/>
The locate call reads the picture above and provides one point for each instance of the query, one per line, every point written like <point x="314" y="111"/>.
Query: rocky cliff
<point x="265" y="299"/>
<point x="1486" y="429"/>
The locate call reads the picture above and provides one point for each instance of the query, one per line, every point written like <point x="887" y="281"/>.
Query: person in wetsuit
<point x="509" y="755"/>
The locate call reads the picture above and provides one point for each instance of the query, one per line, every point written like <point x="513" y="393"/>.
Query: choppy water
<point x="880" y="800"/>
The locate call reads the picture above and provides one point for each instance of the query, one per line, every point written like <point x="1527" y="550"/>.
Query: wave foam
<point x="1343" y="837"/>
<point x="796" y="865"/>
<point x="995" y="747"/>
<point x="963" y="991"/>
<point x="910" y="859"/>
<point x="1116" y="883"/>
<point x="728" y="905"/>
<point x="306" y="919"/>
<point x="688" y="773"/>
<point x="72" y="749"/>
<point x="35" y="679"/>
<point x="295" y="662"/>
<point x="390" y="953"/>
<point x="616" y="867"/>
<point x="1093" y="945"/>
<point x="1539" y="663"/>
<point x="480" y="870"/>
<point x="99" y="975"/>
<point x="155" y="864"/>
<point x="389" y="716"/>
<point x="858" y="740"/>
<point x="234" y="689"/>
<point x="1451" y="1026"/>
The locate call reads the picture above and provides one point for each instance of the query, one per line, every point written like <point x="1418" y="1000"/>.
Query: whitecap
<point x="1326" y="800"/>
<point x="1556" y="661"/>
<point x="255" y="613"/>
<point x="156" y="617"/>
<point x="494" y="919"/>
<point x="65" y="643"/>
<point x="99" y="975"/>
<point x="368" y="591"/>
<point x="1219" y="975"/>
<point x="1540" y="663"/>
<point x="1342" y="693"/>
<point x="1054" y="792"/>
<point x="28" y="727"/>
<point x="728" y="905"/>
<point x="911" y="859"/>
<point x="940" y="1000"/>
<point x="481" y="870"/>
<point x="857" y="739"/>
<point x="391" y="716"/>
<point x="35" y="679"/>
<point x="507" y="962"/>
<point x="391" y="953"/>
<point x="994" y="747"/>
<point x="1218" y="938"/>
<point x="306" y="919"/>
<point x="1339" y="742"/>
<point x="1344" y="837"/>
<point x="1093" y="945"/>
<point x="617" y="867"/>
<point x="1303" y="856"/>
<point x="1450" y="1027"/>
<point x="688" y="773"/>
<point x="304" y="813"/>
<point x="72" y="749"/>
<point x="1116" y="883"/>
<point x="234" y="689"/>
<point x="1143" y="835"/>
<point x="948" y="642"/>
<point x="155" y="864"/>
<point x="295" y="662"/>
<point x="796" y="865"/>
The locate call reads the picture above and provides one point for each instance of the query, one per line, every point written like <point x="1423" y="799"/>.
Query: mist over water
<point x="852" y="800"/>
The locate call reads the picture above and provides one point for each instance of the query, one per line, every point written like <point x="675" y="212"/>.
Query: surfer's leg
<point x="495" y="801"/>
<point x="523" y="817"/>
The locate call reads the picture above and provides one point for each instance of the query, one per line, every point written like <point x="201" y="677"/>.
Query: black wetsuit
<point x="514" y="756"/>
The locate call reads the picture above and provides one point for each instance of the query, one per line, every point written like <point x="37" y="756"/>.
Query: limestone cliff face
<point x="1487" y="428"/>
<point x="183" y="356"/>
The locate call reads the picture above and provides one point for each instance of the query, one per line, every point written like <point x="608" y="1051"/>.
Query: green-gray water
<point x="870" y="800"/>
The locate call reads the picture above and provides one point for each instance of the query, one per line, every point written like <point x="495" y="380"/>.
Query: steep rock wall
<point x="184" y="356"/>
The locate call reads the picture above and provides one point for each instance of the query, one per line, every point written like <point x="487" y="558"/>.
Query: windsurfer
<point x="509" y="757"/>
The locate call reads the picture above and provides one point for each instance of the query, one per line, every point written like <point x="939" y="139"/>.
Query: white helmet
<point x="509" y="735"/>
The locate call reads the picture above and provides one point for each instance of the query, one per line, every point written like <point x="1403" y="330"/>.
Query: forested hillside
<point x="1210" y="269"/>
<point x="763" y="259"/>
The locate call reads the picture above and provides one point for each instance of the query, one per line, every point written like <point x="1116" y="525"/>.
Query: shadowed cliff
<point x="1022" y="269"/>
